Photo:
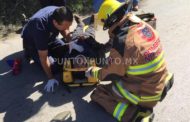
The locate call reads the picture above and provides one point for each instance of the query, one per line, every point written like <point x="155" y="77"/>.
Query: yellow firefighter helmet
<point x="107" y="8"/>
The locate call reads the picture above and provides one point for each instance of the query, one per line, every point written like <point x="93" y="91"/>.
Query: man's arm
<point x="43" y="56"/>
<point x="115" y="68"/>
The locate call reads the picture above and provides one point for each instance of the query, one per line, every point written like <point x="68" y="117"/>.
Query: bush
<point x="11" y="10"/>
<point x="80" y="6"/>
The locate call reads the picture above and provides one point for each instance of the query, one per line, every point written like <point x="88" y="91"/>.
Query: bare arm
<point x="43" y="55"/>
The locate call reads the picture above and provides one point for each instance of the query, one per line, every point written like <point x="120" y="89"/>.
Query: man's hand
<point x="50" y="85"/>
<point x="67" y="35"/>
<point x="92" y="72"/>
<point x="88" y="72"/>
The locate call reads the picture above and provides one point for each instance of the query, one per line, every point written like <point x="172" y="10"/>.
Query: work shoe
<point x="78" y="20"/>
<point x="149" y="118"/>
<point x="91" y="19"/>
<point x="144" y="115"/>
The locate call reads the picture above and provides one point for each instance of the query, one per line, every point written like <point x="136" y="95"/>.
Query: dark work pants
<point x="56" y="50"/>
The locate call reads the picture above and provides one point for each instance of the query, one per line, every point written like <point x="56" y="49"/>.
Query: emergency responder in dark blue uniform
<point x="40" y="37"/>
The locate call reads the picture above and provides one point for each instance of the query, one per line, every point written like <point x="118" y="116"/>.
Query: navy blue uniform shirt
<point x="40" y="31"/>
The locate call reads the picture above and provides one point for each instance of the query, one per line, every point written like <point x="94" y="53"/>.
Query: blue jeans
<point x="96" y="5"/>
<point x="135" y="2"/>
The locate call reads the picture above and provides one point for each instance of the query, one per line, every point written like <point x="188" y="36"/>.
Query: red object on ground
<point x="16" y="66"/>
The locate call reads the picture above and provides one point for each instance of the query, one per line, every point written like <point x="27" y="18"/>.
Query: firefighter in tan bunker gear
<point x="136" y="67"/>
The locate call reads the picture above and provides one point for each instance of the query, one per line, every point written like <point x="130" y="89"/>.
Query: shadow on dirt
<point x="23" y="97"/>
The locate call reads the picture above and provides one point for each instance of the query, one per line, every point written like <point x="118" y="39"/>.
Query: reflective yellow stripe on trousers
<point x="126" y="94"/>
<point x="133" y="98"/>
<point x="147" y="68"/>
<point x="120" y="110"/>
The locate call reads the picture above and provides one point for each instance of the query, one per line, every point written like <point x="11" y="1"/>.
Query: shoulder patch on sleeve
<point x="147" y="34"/>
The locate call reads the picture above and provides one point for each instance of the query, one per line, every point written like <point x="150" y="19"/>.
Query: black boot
<point x="91" y="20"/>
<point x="78" y="20"/>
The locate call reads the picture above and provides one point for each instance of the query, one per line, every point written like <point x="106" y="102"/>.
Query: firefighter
<point x="136" y="66"/>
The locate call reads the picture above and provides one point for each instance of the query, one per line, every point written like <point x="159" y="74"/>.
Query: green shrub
<point x="11" y="10"/>
<point x="80" y="6"/>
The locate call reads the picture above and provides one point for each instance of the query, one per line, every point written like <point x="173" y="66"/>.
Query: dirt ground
<point x="23" y="98"/>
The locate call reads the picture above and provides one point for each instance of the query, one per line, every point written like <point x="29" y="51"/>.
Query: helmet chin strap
<point x="125" y="21"/>
<point x="117" y="15"/>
